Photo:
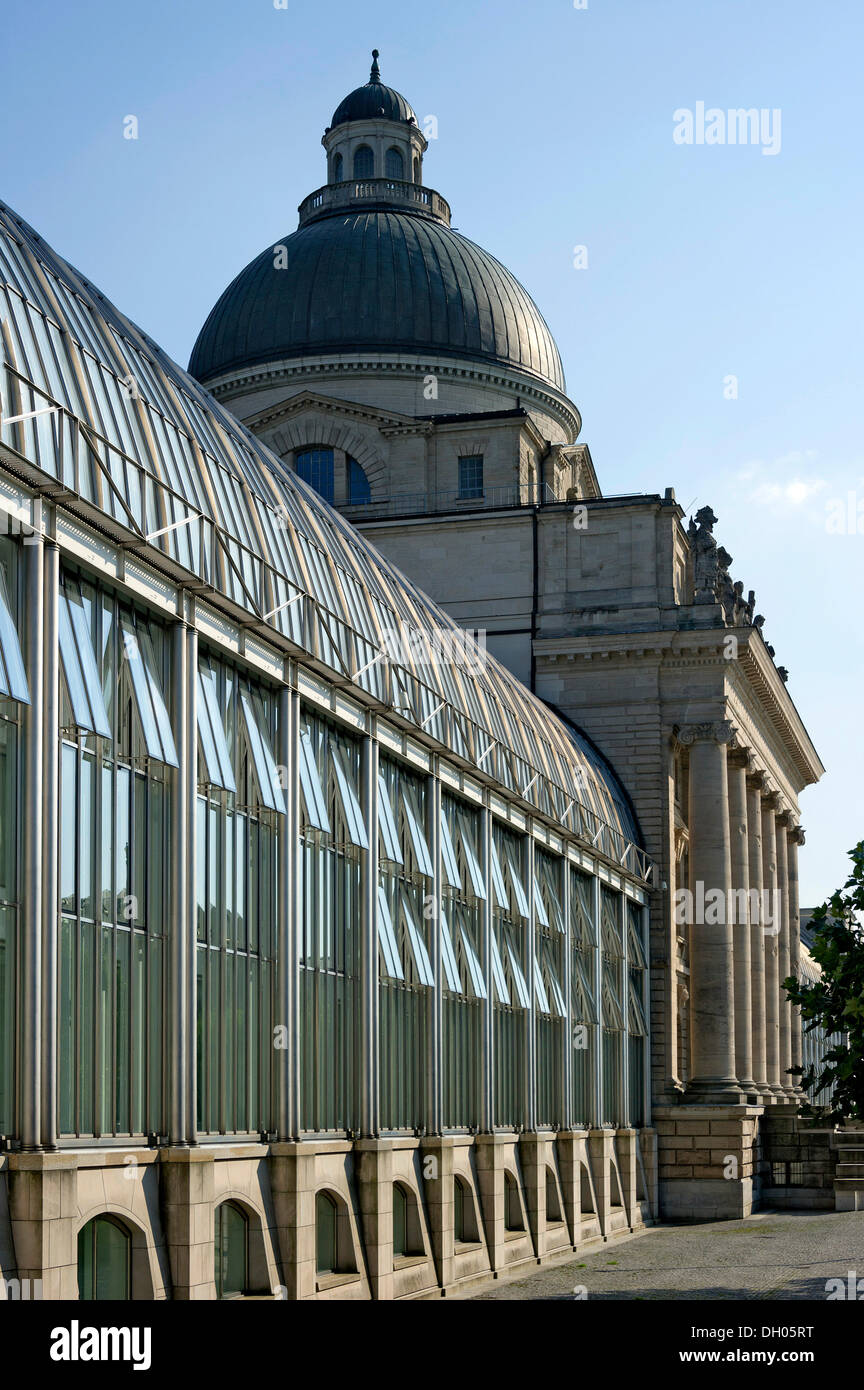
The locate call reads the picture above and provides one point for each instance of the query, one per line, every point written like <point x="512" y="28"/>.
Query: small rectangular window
<point x="417" y="943"/>
<point x="449" y="861"/>
<point x="499" y="979"/>
<point x="471" y="476"/>
<point x="478" y="882"/>
<point x="310" y="784"/>
<point x="348" y="796"/>
<point x="415" y="829"/>
<point x="149" y="700"/>
<point x="474" y="970"/>
<point x="79" y="664"/>
<point x="13" y="679"/>
<point x="387" y="938"/>
<point x="448" y="958"/>
<point x="502" y="897"/>
<point x="263" y="762"/>
<point x="387" y="823"/>
<point x="211" y="731"/>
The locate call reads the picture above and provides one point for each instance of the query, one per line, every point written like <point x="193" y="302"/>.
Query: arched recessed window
<point x="315" y="467"/>
<point x="553" y="1205"/>
<point x="337" y="169"/>
<point x="104" y="1260"/>
<point x="364" y="163"/>
<point x="416" y="169"/>
<point x="394" y="164"/>
<point x="358" y="484"/>
<point x="231" y="1250"/>
<point x="325" y="1233"/>
<point x="400" y="1220"/>
<point x="512" y="1205"/>
<point x="464" y="1216"/>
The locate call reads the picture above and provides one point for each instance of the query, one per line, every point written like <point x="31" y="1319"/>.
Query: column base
<point x="719" y="1091"/>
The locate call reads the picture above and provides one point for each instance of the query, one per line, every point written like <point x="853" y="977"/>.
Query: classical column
<point x="178" y="991"/>
<point x="30" y="997"/>
<point x="286" y="1062"/>
<point x="50" y="844"/>
<point x="770" y="931"/>
<point x="795" y="837"/>
<point x="712" y="1024"/>
<point x="369" y="1007"/>
<point x="755" y="784"/>
<point x="739" y="917"/>
<point x="784" y="1007"/>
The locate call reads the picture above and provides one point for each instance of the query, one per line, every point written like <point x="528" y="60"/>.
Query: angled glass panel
<point x="556" y="993"/>
<point x="499" y="979"/>
<point x="387" y="938"/>
<point x="636" y="950"/>
<point x="263" y="761"/>
<point x="157" y="699"/>
<point x="636" y="1013"/>
<point x="583" y="985"/>
<point x="519" y="980"/>
<point x="145" y="685"/>
<point x="310" y="785"/>
<point x="13" y="679"/>
<point x="540" y="989"/>
<point x="502" y="897"/>
<point x="89" y="669"/>
<point x="516" y="882"/>
<point x="448" y="958"/>
<point x="387" y="823"/>
<point x="415" y="829"/>
<point x="478" y="882"/>
<point x="72" y="668"/>
<point x="449" y="863"/>
<point x="350" y="803"/>
<point x="211" y="729"/>
<point x="475" y="971"/>
<point x="417" y="943"/>
<point x="539" y="906"/>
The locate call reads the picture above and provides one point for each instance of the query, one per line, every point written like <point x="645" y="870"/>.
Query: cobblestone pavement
<point x="772" y="1255"/>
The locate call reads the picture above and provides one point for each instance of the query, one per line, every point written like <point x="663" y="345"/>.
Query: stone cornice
<point x="276" y="372"/>
<point x="332" y="405"/>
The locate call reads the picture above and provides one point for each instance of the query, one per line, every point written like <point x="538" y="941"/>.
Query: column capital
<point x="757" y="780"/>
<point x="796" y="834"/>
<point x="770" y="798"/>
<point x="786" y="819"/>
<point x="711" y="731"/>
<point x="740" y="757"/>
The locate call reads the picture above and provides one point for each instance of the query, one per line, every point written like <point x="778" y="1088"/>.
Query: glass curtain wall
<point x="333" y="838"/>
<point x="115" y="835"/>
<point x="405" y="919"/>
<point x="550" y="943"/>
<point x="464" y="984"/>
<point x="10" y="714"/>
<point x="239" y="802"/>
<point x="583" y="995"/>
<point x="612" y="975"/>
<point x="509" y="974"/>
<point x="637" y="1010"/>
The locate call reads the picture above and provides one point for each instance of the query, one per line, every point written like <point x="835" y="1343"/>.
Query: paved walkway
<point x="773" y="1255"/>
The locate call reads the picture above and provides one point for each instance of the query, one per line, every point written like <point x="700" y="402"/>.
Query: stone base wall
<point x="526" y="1200"/>
<point x="708" y="1161"/>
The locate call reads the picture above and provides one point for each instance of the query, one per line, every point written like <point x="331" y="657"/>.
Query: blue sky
<point x="555" y="130"/>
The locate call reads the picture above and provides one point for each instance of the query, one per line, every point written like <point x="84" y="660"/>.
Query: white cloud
<point x="793" y="492"/>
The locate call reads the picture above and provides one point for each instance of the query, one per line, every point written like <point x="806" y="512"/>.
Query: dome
<point x="381" y="281"/>
<point x="373" y="102"/>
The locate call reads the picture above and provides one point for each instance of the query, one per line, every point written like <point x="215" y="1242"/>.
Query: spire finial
<point x="375" y="74"/>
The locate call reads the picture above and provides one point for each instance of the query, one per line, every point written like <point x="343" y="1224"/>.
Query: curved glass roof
<point x="134" y="439"/>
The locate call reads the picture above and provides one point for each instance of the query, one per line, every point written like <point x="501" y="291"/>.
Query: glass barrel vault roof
<point x="133" y="437"/>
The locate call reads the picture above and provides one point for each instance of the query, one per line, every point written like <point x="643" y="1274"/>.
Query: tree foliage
<point x="835" y="1003"/>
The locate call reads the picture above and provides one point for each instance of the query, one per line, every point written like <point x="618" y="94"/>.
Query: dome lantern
<point x="374" y="134"/>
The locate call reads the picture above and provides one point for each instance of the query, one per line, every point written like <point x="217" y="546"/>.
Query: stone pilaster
<point x="771" y="927"/>
<point x="711" y="948"/>
<point x="739" y="916"/>
<point x="438" y="1190"/>
<point x="783" y="956"/>
<point x="374" y="1177"/>
<point x="292" y="1182"/>
<point x="43" y="1210"/>
<point x="755" y="784"/>
<point x="187" y="1210"/>
<point x="796" y="838"/>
